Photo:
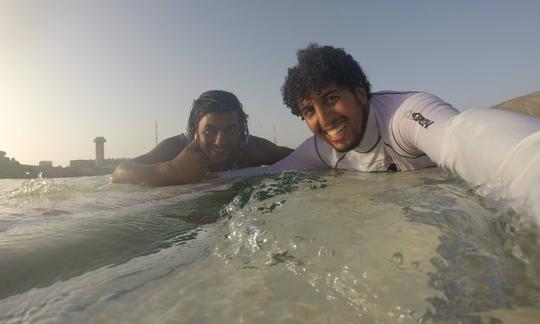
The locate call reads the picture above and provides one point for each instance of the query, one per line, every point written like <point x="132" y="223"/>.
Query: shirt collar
<point x="371" y="136"/>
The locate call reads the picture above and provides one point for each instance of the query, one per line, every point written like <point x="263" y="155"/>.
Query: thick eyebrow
<point x="327" y="93"/>
<point x="231" y="126"/>
<point x="227" y="126"/>
<point x="303" y="107"/>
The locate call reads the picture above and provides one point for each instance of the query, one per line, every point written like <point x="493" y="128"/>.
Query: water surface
<point x="315" y="247"/>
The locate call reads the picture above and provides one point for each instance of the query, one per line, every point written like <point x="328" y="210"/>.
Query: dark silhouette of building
<point x="12" y="169"/>
<point x="100" y="150"/>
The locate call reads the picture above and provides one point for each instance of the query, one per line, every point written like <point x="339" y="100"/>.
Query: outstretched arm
<point x="189" y="166"/>
<point x="495" y="149"/>
<point x="302" y="159"/>
<point x="261" y="151"/>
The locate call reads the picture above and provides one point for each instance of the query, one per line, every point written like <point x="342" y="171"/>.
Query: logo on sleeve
<point x="421" y="120"/>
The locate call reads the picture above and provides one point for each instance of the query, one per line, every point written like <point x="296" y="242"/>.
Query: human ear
<point x="361" y="95"/>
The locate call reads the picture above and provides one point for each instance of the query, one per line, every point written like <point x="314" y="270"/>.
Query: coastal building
<point x="100" y="150"/>
<point x="12" y="169"/>
<point x="82" y="164"/>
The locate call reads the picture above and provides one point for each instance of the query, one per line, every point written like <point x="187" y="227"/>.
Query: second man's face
<point x="219" y="136"/>
<point x="337" y="115"/>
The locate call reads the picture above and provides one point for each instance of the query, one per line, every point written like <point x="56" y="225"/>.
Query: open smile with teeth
<point x="336" y="132"/>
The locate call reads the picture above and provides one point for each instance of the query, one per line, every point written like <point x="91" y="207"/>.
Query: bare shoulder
<point x="261" y="151"/>
<point x="166" y="150"/>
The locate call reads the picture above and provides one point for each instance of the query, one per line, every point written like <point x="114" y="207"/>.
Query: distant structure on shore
<point x="12" y="169"/>
<point x="100" y="150"/>
<point x="156" y="135"/>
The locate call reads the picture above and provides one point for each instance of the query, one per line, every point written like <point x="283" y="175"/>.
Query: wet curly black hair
<point x="319" y="66"/>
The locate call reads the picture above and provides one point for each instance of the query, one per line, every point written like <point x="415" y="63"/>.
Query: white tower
<point x="100" y="150"/>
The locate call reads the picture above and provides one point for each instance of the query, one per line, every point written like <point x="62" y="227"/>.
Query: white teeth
<point x="335" y="131"/>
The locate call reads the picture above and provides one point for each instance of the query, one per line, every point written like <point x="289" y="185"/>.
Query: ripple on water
<point x="299" y="247"/>
<point x="436" y="236"/>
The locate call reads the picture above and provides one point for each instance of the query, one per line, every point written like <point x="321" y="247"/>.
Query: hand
<point x="121" y="174"/>
<point x="192" y="163"/>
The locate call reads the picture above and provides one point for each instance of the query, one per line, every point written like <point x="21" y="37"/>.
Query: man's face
<point x="337" y="115"/>
<point x="219" y="137"/>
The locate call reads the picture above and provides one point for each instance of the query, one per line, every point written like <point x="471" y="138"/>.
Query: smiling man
<point x="341" y="126"/>
<point x="217" y="139"/>
<point x="356" y="129"/>
<point x="353" y="127"/>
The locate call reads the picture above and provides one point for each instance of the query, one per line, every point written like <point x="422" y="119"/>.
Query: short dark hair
<point x="319" y="66"/>
<point x="216" y="101"/>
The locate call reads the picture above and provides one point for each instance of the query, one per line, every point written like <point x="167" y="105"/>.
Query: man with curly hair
<point x="217" y="139"/>
<point x="356" y="129"/>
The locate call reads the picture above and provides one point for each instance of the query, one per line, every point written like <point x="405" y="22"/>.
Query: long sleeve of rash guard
<point x="498" y="150"/>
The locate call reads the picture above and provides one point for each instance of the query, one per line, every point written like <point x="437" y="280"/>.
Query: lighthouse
<point x="100" y="150"/>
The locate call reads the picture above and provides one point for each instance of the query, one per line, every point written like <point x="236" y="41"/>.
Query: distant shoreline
<point x="32" y="171"/>
<point x="11" y="169"/>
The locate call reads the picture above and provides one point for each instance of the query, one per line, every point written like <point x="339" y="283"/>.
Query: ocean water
<point x="300" y="247"/>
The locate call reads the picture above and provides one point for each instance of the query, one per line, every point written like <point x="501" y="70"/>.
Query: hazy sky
<point x="73" y="70"/>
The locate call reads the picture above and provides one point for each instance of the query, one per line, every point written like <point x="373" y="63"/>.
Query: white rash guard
<point x="414" y="130"/>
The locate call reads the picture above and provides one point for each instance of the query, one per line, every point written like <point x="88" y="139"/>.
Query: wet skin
<point x="216" y="147"/>
<point x="337" y="115"/>
<point x="219" y="136"/>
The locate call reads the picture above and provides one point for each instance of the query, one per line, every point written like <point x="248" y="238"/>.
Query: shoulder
<point x="174" y="143"/>
<point x="253" y="141"/>
<point x="396" y="99"/>
<point x="389" y="105"/>
<point x="424" y="109"/>
<point x="415" y="120"/>
<point x="181" y="139"/>
<point x="389" y="101"/>
<point x="166" y="150"/>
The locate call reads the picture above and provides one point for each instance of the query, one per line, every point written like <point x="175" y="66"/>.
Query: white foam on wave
<point x="308" y="248"/>
<point x="329" y="245"/>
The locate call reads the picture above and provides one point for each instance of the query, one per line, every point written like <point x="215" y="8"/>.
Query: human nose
<point x="325" y="115"/>
<point x="220" y="139"/>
